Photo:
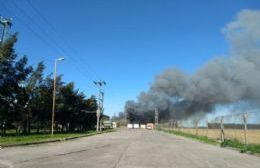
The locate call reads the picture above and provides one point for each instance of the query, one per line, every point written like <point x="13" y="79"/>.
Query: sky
<point x="123" y="42"/>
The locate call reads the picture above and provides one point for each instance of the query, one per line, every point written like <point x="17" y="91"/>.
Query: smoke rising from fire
<point x="222" y="81"/>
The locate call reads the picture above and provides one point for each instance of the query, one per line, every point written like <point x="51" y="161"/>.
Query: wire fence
<point x="244" y="127"/>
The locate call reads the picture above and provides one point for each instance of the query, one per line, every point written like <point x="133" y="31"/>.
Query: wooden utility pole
<point x="126" y="118"/>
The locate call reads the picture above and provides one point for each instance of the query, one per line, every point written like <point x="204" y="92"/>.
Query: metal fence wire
<point x="244" y="127"/>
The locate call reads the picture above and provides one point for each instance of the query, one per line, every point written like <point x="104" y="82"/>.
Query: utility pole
<point x="156" y="115"/>
<point x="54" y="92"/>
<point x="6" y="23"/>
<point x="125" y="112"/>
<point x="100" y="108"/>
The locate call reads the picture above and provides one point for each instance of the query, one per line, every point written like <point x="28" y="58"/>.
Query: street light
<point x="54" y="92"/>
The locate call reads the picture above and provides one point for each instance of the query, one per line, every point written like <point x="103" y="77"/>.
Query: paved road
<point x="126" y="149"/>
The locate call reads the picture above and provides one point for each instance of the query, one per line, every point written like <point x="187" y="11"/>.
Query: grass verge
<point x="250" y="148"/>
<point x="8" y="141"/>
<point x="199" y="138"/>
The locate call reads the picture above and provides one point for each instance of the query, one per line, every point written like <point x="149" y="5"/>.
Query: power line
<point x="59" y="35"/>
<point x="46" y="33"/>
<point x="39" y="36"/>
<point x="25" y="24"/>
<point x="53" y="44"/>
<point x="54" y="30"/>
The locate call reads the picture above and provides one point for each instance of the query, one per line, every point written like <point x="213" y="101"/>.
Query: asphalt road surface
<point x="126" y="149"/>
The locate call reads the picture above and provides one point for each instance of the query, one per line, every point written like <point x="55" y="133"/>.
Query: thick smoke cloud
<point x="222" y="81"/>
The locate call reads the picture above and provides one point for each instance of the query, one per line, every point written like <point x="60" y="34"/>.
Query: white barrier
<point x="130" y="126"/>
<point x="143" y="126"/>
<point x="136" y="126"/>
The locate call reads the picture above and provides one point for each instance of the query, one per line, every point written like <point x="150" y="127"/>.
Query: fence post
<point x="197" y="123"/>
<point x="222" y="135"/>
<point x="245" y="127"/>
<point x="207" y="128"/>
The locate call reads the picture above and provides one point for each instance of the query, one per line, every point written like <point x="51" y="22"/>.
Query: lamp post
<point x="54" y="92"/>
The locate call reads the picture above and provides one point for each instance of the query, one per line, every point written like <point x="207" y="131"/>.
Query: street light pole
<point x="54" y="92"/>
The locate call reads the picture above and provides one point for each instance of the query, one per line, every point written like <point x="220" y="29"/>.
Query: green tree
<point x="32" y="90"/>
<point x="26" y="97"/>
<point x="13" y="74"/>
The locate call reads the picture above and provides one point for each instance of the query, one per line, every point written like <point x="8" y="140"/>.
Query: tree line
<point x="26" y="97"/>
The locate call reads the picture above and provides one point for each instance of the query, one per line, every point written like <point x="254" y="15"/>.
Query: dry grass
<point x="253" y="136"/>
